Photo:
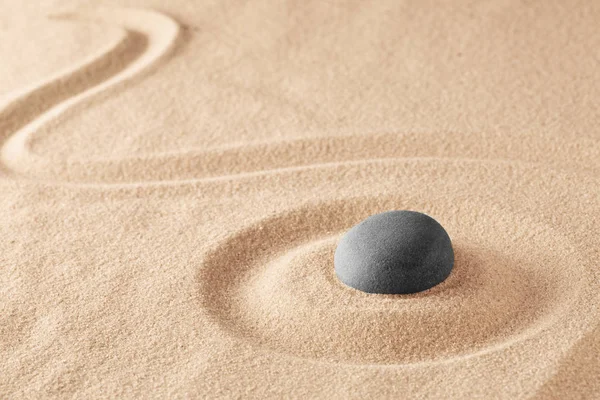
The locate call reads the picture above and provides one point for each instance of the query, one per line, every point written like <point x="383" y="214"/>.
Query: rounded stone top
<point x="395" y="252"/>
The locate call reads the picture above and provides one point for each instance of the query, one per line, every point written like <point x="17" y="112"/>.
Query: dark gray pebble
<point x="395" y="252"/>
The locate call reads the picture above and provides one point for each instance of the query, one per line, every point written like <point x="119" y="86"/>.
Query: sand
<point x="175" y="177"/>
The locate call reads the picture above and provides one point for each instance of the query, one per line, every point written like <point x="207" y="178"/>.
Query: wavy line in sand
<point x="271" y="285"/>
<point x="149" y="37"/>
<point x="239" y="160"/>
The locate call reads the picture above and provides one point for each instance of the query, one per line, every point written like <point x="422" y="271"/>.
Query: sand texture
<point x="175" y="177"/>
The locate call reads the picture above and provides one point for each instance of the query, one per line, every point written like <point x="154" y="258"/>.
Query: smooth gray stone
<point x="395" y="252"/>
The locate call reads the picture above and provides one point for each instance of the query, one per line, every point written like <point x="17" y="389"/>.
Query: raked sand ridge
<point x="206" y="269"/>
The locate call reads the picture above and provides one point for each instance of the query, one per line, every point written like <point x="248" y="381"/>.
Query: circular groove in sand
<point x="271" y="285"/>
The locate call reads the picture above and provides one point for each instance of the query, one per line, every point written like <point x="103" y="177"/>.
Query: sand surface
<point x="175" y="176"/>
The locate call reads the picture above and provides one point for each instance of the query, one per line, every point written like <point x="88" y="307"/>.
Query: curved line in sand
<point x="231" y="161"/>
<point x="232" y="178"/>
<point x="305" y="151"/>
<point x="222" y="280"/>
<point x="149" y="37"/>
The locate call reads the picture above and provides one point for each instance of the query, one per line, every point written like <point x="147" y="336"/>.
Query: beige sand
<point x="175" y="177"/>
